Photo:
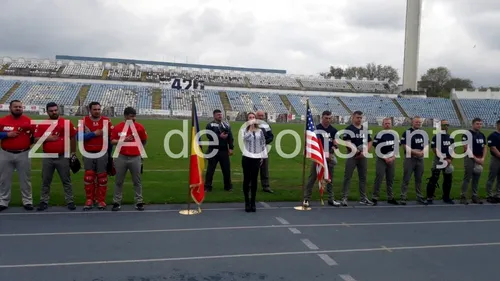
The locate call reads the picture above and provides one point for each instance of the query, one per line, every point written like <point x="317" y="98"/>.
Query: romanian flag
<point x="196" y="163"/>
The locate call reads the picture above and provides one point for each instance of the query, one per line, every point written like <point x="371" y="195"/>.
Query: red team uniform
<point x="96" y="176"/>
<point x="23" y="126"/>
<point x="130" y="150"/>
<point x="14" y="156"/>
<point x="57" y="146"/>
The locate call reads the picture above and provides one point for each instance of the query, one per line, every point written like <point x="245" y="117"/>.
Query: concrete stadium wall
<point x="476" y="94"/>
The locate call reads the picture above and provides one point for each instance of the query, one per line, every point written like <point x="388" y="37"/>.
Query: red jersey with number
<point x="23" y="126"/>
<point x="95" y="144"/>
<point x="57" y="146"/>
<point x="141" y="136"/>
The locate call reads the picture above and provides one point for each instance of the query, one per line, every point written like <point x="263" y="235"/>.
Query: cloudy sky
<point x="303" y="37"/>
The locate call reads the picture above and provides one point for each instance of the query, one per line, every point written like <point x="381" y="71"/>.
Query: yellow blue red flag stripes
<point x="196" y="162"/>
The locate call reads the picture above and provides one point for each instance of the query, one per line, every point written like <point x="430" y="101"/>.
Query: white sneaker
<point x="305" y="204"/>
<point x="344" y="202"/>
<point x="333" y="203"/>
<point x="365" y="201"/>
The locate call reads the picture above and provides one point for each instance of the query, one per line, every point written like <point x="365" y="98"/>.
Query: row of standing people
<point x="18" y="135"/>
<point x="412" y="141"/>
<point x="413" y="165"/>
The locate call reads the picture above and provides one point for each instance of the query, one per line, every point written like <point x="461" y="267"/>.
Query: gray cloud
<point x="481" y="19"/>
<point x="376" y="14"/>
<point x="468" y="8"/>
<point x="299" y="37"/>
<point x="84" y="27"/>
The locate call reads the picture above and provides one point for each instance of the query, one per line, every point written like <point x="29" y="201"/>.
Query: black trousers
<point x="221" y="157"/>
<point x="251" y="168"/>
<point x="433" y="181"/>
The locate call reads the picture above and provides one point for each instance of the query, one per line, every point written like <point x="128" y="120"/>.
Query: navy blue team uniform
<point x="494" y="171"/>
<point x="361" y="164"/>
<point x="323" y="134"/>
<point x="413" y="165"/>
<point x="386" y="142"/>
<point x="478" y="145"/>
<point x="445" y="142"/>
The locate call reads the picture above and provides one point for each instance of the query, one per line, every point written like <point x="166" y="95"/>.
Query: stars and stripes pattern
<point x="315" y="152"/>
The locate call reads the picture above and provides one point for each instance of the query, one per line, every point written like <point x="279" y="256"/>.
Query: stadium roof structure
<point x="205" y="66"/>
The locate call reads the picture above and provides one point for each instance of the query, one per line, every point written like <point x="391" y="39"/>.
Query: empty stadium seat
<point x="253" y="101"/>
<point x="486" y="109"/>
<point x="41" y="93"/>
<point x="373" y="107"/>
<point x="5" y="86"/>
<point x="120" y="96"/>
<point x="436" y="108"/>
<point x="179" y="101"/>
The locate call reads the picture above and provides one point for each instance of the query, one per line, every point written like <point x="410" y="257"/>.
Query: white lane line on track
<point x="327" y="259"/>
<point x="388" y="250"/>
<point x="282" y="220"/>
<point x="228" y="209"/>
<point x="243" y="228"/>
<point x="422" y="247"/>
<point x="346" y="277"/>
<point x="265" y="205"/>
<point x="294" y="230"/>
<point x="309" y="244"/>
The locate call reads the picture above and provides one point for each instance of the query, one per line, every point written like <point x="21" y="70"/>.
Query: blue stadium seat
<point x="41" y="93"/>
<point x="5" y="86"/>
<point x="120" y="96"/>
<point x="436" y="108"/>
<point x="179" y="101"/>
<point x="486" y="109"/>
<point x="373" y="107"/>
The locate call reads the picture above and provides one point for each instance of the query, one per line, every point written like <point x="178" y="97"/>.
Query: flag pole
<point x="301" y="207"/>
<point x="304" y="155"/>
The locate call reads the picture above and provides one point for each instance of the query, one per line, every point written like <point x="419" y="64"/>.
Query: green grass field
<point x="165" y="180"/>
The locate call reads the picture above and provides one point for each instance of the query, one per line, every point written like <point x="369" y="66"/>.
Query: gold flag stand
<point x="190" y="212"/>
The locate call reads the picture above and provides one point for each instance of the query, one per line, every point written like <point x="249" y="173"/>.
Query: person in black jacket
<point x="264" y="168"/>
<point x="442" y="163"/>
<point x="224" y="149"/>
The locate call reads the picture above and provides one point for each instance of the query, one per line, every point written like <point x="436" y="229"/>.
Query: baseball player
<point x="494" y="144"/>
<point x="473" y="166"/>
<point x="440" y="145"/>
<point x="129" y="157"/>
<point x="358" y="161"/>
<point x="55" y="143"/>
<point x="96" y="175"/>
<point x="414" y="142"/>
<point x="326" y="135"/>
<point x="384" y="143"/>
<point x="16" y="133"/>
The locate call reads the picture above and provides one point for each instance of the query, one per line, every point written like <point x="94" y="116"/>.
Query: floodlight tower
<point x="412" y="43"/>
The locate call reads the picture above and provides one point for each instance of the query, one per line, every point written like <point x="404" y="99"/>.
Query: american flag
<point x="314" y="151"/>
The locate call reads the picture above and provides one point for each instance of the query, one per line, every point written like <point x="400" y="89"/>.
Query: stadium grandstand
<point x="164" y="90"/>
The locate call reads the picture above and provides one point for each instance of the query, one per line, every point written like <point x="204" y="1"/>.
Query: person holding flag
<point x="254" y="153"/>
<point x="320" y="145"/>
